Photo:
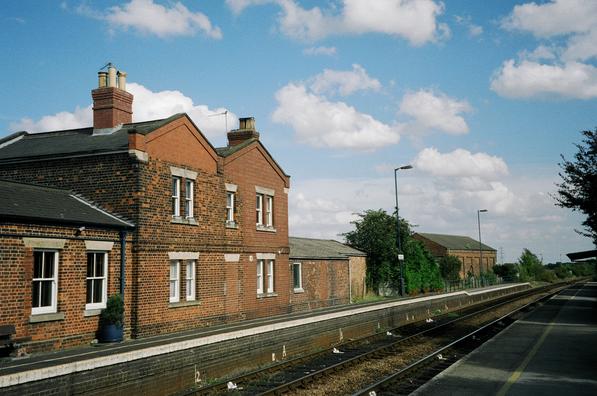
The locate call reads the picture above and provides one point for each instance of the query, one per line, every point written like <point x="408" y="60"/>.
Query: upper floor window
<point x="269" y="211"/>
<point x="188" y="203"/>
<point x="229" y="207"/>
<point x="97" y="276"/>
<point x="264" y="208"/>
<point x="45" y="282"/>
<point x="176" y="196"/>
<point x="259" y="209"/>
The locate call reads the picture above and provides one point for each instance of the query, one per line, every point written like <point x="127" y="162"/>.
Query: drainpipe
<point x="122" y="261"/>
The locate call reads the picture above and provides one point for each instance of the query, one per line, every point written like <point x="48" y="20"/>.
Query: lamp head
<point x="404" y="167"/>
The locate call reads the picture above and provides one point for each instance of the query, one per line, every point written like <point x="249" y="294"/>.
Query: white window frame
<point x="230" y="206"/>
<point x="300" y="277"/>
<point x="269" y="200"/>
<point x="104" y="279"/>
<point x="189" y="201"/>
<point x="190" y="277"/>
<point x="176" y="195"/>
<point x="259" y="209"/>
<point x="53" y="307"/>
<point x="174" y="281"/>
<point x="260" y="268"/>
<point x="270" y="276"/>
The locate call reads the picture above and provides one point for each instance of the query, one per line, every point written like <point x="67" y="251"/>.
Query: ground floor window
<point x="45" y="282"/>
<point x="174" y="281"/>
<point x="190" y="280"/>
<point x="297" y="276"/>
<point x="97" y="280"/>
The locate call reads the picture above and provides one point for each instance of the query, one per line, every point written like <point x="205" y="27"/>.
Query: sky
<point x="480" y="97"/>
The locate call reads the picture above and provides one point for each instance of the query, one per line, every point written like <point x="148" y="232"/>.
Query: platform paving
<point x="551" y="351"/>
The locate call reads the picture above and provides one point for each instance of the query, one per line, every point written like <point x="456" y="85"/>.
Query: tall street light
<point x="480" y="247"/>
<point x="398" y="245"/>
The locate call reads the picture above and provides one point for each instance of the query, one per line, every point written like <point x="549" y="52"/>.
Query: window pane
<point x="37" y="264"/>
<point x="229" y="200"/>
<point x="174" y="187"/>
<point x="173" y="272"/>
<point x="172" y="289"/>
<point x="36" y="287"/>
<point x="97" y="290"/>
<point x="46" y="293"/>
<point x="296" y="273"/>
<point x="99" y="264"/>
<point x="48" y="265"/>
<point x="89" y="264"/>
<point x="89" y="291"/>
<point x="189" y="189"/>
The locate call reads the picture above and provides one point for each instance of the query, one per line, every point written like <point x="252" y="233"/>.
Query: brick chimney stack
<point x="246" y="130"/>
<point x="112" y="105"/>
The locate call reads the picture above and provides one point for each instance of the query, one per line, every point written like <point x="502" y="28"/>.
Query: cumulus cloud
<point x="323" y="123"/>
<point x="344" y="82"/>
<point x="147" y="105"/>
<point x="436" y="111"/>
<point x="528" y="79"/>
<point x="460" y="163"/>
<point x="466" y="21"/>
<point x="329" y="51"/>
<point x="413" y="20"/>
<point x="147" y="17"/>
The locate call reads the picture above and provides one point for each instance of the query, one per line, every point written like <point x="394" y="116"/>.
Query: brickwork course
<point x="127" y="170"/>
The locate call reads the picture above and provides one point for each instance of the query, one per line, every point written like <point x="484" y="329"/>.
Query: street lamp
<point x="400" y="255"/>
<point x="480" y="247"/>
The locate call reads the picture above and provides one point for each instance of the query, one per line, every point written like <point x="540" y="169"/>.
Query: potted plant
<point x="111" y="318"/>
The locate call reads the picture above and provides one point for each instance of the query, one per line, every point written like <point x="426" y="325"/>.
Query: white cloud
<point x="147" y="105"/>
<point x="238" y="6"/>
<point x="344" y="82"/>
<point x="413" y="20"/>
<point x="147" y="17"/>
<point x="553" y="18"/>
<point x="329" y="51"/>
<point x="582" y="46"/>
<point x="466" y="21"/>
<point x="460" y="163"/>
<point x="322" y="123"/>
<point x="436" y="111"/>
<point x="528" y="79"/>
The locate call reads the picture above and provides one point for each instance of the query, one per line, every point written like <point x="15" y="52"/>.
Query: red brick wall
<point x="325" y="283"/>
<point x="16" y="272"/>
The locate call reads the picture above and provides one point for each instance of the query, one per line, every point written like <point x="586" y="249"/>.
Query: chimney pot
<point x="102" y="79"/>
<point x="246" y="123"/>
<point x="122" y="80"/>
<point x="111" y="76"/>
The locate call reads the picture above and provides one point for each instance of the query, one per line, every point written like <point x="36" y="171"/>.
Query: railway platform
<point x="551" y="351"/>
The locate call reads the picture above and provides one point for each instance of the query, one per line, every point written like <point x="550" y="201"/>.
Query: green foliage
<point x="506" y="271"/>
<point x="114" y="311"/>
<point x="375" y="234"/>
<point x="450" y="268"/>
<point x="578" y="190"/>
<point x="529" y="266"/>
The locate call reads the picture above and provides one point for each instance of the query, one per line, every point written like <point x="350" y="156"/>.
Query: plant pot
<point x="110" y="333"/>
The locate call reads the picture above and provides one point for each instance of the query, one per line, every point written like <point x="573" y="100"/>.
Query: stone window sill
<point x="267" y="295"/>
<point x="92" y="312"/>
<point x="299" y="290"/>
<point x="182" y="304"/>
<point x="49" y="317"/>
<point x="183" y="220"/>
<point x="231" y="224"/>
<point x="265" y="228"/>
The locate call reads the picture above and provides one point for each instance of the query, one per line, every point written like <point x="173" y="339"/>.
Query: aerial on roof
<point x="308" y="248"/>
<point x="30" y="202"/>
<point x="455" y="242"/>
<point x="74" y="141"/>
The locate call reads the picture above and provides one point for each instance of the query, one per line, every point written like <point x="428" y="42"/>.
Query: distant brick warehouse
<point x="206" y="228"/>
<point x="463" y="247"/>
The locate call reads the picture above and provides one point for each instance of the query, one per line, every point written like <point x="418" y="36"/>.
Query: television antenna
<point x="225" y="114"/>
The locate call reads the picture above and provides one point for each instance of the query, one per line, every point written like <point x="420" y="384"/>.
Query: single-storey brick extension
<point x="193" y="235"/>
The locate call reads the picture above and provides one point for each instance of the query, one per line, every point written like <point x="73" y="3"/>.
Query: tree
<point x="578" y="190"/>
<point x="530" y="267"/>
<point x="450" y="268"/>
<point x="506" y="271"/>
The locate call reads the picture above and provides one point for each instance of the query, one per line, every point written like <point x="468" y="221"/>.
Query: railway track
<point x="423" y="349"/>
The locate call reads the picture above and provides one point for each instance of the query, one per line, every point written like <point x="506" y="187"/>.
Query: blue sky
<point x="481" y="97"/>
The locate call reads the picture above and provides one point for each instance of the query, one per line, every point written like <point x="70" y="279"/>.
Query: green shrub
<point x="114" y="311"/>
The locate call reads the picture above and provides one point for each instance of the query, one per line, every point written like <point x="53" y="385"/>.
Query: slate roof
<point x="324" y="249"/>
<point x="455" y="242"/>
<point x="73" y="141"/>
<point x="584" y="255"/>
<point x="51" y="205"/>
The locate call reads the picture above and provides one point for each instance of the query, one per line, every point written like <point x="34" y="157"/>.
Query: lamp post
<point x="398" y="245"/>
<point x="480" y="247"/>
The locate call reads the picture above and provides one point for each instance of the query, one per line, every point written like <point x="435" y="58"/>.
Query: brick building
<point x="463" y="247"/>
<point x="325" y="272"/>
<point x="206" y="228"/>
